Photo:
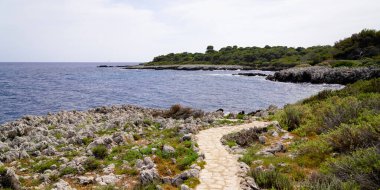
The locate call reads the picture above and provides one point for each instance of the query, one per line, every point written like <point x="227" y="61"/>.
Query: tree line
<point x="361" y="48"/>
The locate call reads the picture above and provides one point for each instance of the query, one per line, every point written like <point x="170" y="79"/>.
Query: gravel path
<point x="221" y="169"/>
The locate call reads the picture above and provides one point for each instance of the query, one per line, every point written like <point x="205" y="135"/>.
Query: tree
<point x="210" y="49"/>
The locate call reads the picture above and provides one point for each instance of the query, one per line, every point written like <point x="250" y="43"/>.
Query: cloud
<point x="86" y="30"/>
<point x="132" y="30"/>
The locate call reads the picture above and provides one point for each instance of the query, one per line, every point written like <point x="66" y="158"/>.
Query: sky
<point x="138" y="30"/>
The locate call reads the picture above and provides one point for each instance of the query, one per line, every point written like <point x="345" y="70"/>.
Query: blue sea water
<point x="39" y="88"/>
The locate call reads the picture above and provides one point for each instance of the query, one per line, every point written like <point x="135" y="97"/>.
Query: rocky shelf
<point x="251" y="74"/>
<point x="191" y="67"/>
<point x="320" y="74"/>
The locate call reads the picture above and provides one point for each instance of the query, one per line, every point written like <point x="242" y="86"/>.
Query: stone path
<point x="221" y="169"/>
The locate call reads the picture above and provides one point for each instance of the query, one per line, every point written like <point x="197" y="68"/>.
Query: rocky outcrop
<point x="190" y="67"/>
<point x="244" y="137"/>
<point x="319" y="74"/>
<point x="63" y="146"/>
<point x="62" y="185"/>
<point x="33" y="136"/>
<point x="9" y="179"/>
<point x="251" y="74"/>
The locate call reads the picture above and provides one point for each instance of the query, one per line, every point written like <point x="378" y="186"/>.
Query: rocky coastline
<point x="198" y="67"/>
<point x="190" y="67"/>
<point x="320" y="74"/>
<point x="311" y="74"/>
<point x="121" y="146"/>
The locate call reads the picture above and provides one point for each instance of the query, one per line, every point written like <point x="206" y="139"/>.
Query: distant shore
<point x="196" y="67"/>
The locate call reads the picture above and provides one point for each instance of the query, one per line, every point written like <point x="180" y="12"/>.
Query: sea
<point x="48" y="87"/>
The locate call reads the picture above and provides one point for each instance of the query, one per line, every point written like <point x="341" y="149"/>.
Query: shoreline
<point x="197" y="67"/>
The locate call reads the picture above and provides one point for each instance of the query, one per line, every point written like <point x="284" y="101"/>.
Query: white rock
<point x="62" y="185"/>
<point x="168" y="149"/>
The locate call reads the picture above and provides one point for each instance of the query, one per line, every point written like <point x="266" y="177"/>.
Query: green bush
<point x="293" y="116"/>
<point x="68" y="170"/>
<point x="107" y="187"/>
<point x="87" y="140"/>
<point x="362" y="166"/>
<point x="322" y="182"/>
<point x="231" y="143"/>
<point x="250" y="154"/>
<point x="240" y="116"/>
<point x="192" y="182"/>
<point x="337" y="111"/>
<point x="132" y="155"/>
<point x="100" y="151"/>
<point x="345" y="63"/>
<point x="3" y="170"/>
<point x="91" y="164"/>
<point x="45" y="165"/>
<point x="271" y="180"/>
<point x="185" y="162"/>
<point x="312" y="153"/>
<point x="320" y="96"/>
<point x="347" y="138"/>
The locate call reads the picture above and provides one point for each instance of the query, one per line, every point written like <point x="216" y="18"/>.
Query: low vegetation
<point x="336" y="142"/>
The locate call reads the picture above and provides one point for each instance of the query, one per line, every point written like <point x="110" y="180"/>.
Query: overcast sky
<point x="138" y="30"/>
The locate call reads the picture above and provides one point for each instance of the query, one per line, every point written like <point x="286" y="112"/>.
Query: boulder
<point x="180" y="178"/>
<point x="109" y="169"/>
<point x="248" y="183"/>
<point x="110" y="179"/>
<point x="62" y="185"/>
<point x="262" y="139"/>
<point x="186" y="137"/>
<point x="118" y="138"/>
<point x="84" y="180"/>
<point x="185" y="187"/>
<point x="245" y="137"/>
<point x="9" y="179"/>
<point x="149" y="176"/>
<point x="168" y="149"/>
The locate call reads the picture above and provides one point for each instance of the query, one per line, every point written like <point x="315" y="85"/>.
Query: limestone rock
<point x="262" y="139"/>
<point x="110" y="179"/>
<point x="62" y="185"/>
<point x="168" y="149"/>
<point x="83" y="180"/>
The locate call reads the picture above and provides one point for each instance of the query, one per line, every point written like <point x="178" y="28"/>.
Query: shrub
<point x="179" y="112"/>
<point x="292" y="116"/>
<point x="128" y="171"/>
<point x="231" y="143"/>
<point x="91" y="164"/>
<point x="338" y="110"/>
<point x="240" y="116"/>
<point x="319" y="181"/>
<point x="350" y="137"/>
<point x="3" y="170"/>
<point x="249" y="156"/>
<point x="192" y="182"/>
<point x="45" y="165"/>
<point x="68" y="170"/>
<point x="320" y="96"/>
<point x="362" y="166"/>
<point x="312" y="153"/>
<point x="185" y="162"/>
<point x="132" y="155"/>
<point x="87" y="140"/>
<point x="107" y="187"/>
<point x="271" y="179"/>
<point x="100" y="151"/>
